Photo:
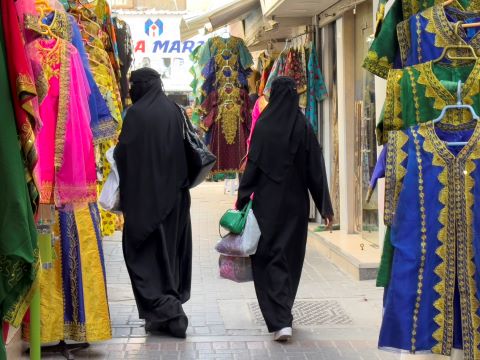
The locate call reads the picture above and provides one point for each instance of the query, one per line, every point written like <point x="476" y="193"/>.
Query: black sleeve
<point x="248" y="184"/>
<point x="317" y="177"/>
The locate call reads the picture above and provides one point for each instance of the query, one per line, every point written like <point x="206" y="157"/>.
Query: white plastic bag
<point x="110" y="196"/>
<point x="241" y="245"/>
<point x="251" y="234"/>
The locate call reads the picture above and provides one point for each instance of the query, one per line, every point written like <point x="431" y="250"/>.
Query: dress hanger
<point x="445" y="53"/>
<point x="459" y="105"/>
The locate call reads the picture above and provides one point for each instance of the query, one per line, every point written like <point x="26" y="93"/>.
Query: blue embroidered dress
<point x="432" y="303"/>
<point x="424" y="36"/>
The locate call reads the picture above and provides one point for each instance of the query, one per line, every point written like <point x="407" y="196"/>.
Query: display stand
<point x="35" y="342"/>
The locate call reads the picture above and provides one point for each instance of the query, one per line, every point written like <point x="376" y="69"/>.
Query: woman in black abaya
<point x="157" y="239"/>
<point x="285" y="162"/>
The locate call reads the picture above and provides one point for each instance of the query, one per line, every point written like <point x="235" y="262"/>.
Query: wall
<point x="199" y="6"/>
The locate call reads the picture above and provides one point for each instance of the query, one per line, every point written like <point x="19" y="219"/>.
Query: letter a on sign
<point x="140" y="47"/>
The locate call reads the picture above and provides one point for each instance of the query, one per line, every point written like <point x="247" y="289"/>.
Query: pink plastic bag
<point x="238" y="269"/>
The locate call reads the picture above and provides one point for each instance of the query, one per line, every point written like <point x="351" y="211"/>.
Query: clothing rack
<point x="310" y="31"/>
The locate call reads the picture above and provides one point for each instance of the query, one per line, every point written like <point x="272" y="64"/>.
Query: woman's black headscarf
<point x="279" y="130"/>
<point x="150" y="156"/>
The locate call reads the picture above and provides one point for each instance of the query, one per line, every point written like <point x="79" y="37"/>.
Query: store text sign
<point x="166" y="46"/>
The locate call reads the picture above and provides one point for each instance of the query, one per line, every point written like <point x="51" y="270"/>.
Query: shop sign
<point x="166" y="46"/>
<point x="157" y="44"/>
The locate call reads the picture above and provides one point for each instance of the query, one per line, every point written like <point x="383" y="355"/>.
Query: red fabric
<point x="5" y="332"/>
<point x="22" y="85"/>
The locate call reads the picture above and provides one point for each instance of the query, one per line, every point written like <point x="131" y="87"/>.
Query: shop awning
<point x="211" y="21"/>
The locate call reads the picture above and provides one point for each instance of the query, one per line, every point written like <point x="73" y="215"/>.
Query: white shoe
<point x="284" y="334"/>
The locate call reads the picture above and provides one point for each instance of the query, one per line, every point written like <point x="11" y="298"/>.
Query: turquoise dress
<point x="316" y="90"/>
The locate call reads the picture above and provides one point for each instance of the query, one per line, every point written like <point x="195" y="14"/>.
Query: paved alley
<point x="336" y="317"/>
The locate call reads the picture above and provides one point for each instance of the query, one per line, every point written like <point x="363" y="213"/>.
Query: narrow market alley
<point x="336" y="317"/>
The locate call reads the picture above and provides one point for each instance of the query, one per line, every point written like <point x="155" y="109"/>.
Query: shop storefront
<point x="341" y="32"/>
<point x="340" y="35"/>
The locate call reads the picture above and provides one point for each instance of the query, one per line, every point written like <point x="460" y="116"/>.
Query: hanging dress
<point x="227" y="112"/>
<point x="74" y="303"/>
<point x="384" y="53"/>
<point x="432" y="302"/>
<point x="19" y="255"/>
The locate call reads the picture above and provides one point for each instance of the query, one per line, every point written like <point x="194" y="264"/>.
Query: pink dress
<point x="260" y="105"/>
<point x="66" y="169"/>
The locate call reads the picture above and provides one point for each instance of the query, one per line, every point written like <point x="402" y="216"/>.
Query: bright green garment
<point x="18" y="237"/>
<point x="385" y="268"/>
<point x="419" y="93"/>
<point x="218" y="45"/>
<point x="384" y="54"/>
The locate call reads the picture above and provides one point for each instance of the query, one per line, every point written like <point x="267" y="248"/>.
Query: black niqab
<point x="279" y="131"/>
<point x="150" y="156"/>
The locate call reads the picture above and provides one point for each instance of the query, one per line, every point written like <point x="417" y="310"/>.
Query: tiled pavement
<point x="222" y="324"/>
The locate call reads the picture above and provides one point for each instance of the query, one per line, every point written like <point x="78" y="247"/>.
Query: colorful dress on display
<point x="424" y="36"/>
<point x="103" y="17"/>
<point x="432" y="302"/>
<point x="66" y="167"/>
<point x="419" y="93"/>
<point x="19" y="256"/>
<point x="104" y="126"/>
<point x="104" y="75"/>
<point x="278" y="69"/>
<point x="227" y="65"/>
<point x="74" y="302"/>
<point x="384" y="54"/>
<point x="316" y="90"/>
<point x="265" y="65"/>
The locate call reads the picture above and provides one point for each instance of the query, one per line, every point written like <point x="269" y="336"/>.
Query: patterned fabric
<point x="66" y="168"/>
<point x="225" y="69"/>
<point x="74" y="304"/>
<point x="278" y="69"/>
<point x="419" y="93"/>
<point x="384" y="54"/>
<point x="295" y="69"/>
<point x="316" y="90"/>
<point x="424" y="36"/>
<point x="19" y="257"/>
<point x="102" y="123"/>
<point x="24" y="94"/>
<point x="432" y="302"/>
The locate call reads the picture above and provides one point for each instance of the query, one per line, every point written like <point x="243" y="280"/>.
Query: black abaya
<point x="161" y="268"/>
<point x="281" y="205"/>
<point x="155" y="200"/>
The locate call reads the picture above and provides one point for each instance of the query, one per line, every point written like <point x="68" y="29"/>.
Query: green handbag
<point x="234" y="220"/>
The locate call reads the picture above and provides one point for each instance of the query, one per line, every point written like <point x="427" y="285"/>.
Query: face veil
<point x="279" y="130"/>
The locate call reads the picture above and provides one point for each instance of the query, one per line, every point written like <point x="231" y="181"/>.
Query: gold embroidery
<point x="456" y="239"/>
<point x="423" y="242"/>
<point x="419" y="39"/>
<point x="378" y="66"/>
<point x="394" y="173"/>
<point x="64" y="79"/>
<point x="442" y="97"/>
<point x="416" y="100"/>
<point x="15" y="271"/>
<point x="61" y="26"/>
<point x="229" y="118"/>
<point x="391" y="119"/>
<point x="470" y="264"/>
<point x="404" y="41"/>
